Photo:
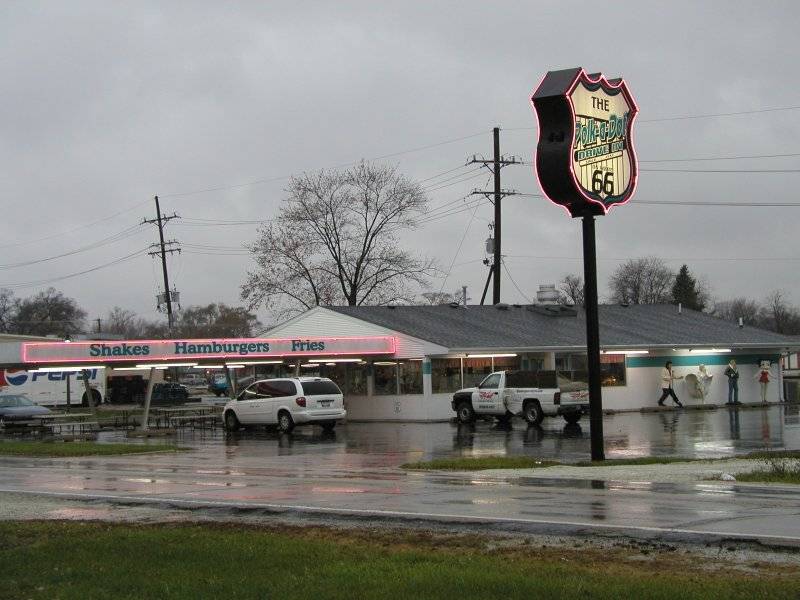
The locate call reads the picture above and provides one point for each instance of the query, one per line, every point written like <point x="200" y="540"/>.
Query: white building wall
<point x="643" y="388"/>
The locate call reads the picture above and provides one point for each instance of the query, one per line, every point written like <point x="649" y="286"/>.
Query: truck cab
<point x="505" y="394"/>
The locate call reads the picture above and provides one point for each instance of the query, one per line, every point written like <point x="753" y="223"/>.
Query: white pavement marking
<point x="395" y="513"/>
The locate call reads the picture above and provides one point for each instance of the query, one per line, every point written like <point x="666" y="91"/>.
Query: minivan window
<point x="323" y="386"/>
<point x="276" y="389"/>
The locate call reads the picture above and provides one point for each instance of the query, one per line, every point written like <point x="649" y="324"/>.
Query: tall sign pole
<point x="586" y="163"/>
<point x="592" y="338"/>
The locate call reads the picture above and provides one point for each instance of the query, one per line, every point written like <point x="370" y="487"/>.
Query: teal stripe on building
<point x="694" y="360"/>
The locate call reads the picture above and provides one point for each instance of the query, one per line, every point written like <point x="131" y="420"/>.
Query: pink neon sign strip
<point x="72" y="352"/>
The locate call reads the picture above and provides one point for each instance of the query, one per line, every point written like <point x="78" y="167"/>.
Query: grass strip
<point x="770" y="454"/>
<point x="480" y="463"/>
<point x="524" y="462"/>
<point x="174" y="561"/>
<point x="767" y="476"/>
<point x="66" y="449"/>
<point x="642" y="460"/>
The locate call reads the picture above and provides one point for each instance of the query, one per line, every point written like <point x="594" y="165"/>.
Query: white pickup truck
<point x="505" y="394"/>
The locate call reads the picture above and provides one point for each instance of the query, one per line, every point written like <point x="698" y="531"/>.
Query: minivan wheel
<point x="532" y="412"/>
<point x="465" y="413"/>
<point x="328" y="425"/>
<point x="231" y="421"/>
<point x="285" y="422"/>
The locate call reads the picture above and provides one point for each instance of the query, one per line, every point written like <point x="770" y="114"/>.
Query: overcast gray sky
<point x="105" y="104"/>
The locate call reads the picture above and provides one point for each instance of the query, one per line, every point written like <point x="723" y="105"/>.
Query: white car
<point x="286" y="402"/>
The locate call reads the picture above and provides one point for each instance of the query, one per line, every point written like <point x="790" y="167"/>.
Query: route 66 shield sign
<point x="585" y="160"/>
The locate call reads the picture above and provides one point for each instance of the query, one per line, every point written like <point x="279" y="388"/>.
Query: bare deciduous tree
<point x="732" y="310"/>
<point x="216" y="320"/>
<point x="125" y="323"/>
<point x="571" y="290"/>
<point x="778" y="315"/>
<point x="642" y="281"/>
<point x="8" y="309"/>
<point x="335" y="241"/>
<point x="434" y="298"/>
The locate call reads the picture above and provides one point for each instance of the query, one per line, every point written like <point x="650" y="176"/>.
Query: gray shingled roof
<point x="523" y="327"/>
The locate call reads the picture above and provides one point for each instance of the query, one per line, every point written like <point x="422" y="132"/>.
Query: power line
<point x="459" y="167"/>
<point x="124" y="234"/>
<point x="348" y="164"/>
<point x="707" y="158"/>
<point x="667" y="258"/>
<point x="80" y="227"/>
<point x="117" y="261"/>
<point x="714" y="158"/>
<point x="685" y="117"/>
<point x="468" y="206"/>
<point x="728" y="114"/>
<point x="735" y="171"/>
<point x="458" y="250"/>
<point x="524" y="295"/>
<point x="451" y="178"/>
<point x="694" y="202"/>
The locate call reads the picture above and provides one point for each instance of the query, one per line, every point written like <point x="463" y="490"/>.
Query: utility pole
<point x="99" y="329"/>
<point x="494" y="165"/>
<point x="168" y="247"/>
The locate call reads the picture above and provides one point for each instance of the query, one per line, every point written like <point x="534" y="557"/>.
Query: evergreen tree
<point x="685" y="292"/>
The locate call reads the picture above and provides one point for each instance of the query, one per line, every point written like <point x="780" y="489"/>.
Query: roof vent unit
<point x="455" y="304"/>
<point x="501" y="306"/>
<point x="547" y="294"/>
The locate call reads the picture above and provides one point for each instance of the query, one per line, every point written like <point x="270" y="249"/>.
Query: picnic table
<point x="194" y="415"/>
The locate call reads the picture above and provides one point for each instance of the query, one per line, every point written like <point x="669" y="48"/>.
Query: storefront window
<point x="573" y="371"/>
<point x="445" y="375"/>
<point x="356" y="379"/>
<point x="385" y="374"/>
<point x="506" y="363"/>
<point x="350" y="377"/>
<point x="612" y="369"/>
<point x="411" y="377"/>
<point x="475" y="370"/>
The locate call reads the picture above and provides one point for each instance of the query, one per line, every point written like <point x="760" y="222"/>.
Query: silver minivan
<point x="286" y="402"/>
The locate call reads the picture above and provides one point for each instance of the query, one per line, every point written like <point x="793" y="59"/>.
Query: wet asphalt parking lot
<point x="354" y="473"/>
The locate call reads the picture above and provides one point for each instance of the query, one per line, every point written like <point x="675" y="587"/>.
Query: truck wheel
<point x="465" y="413"/>
<point x="532" y="412"/>
<point x="572" y="418"/>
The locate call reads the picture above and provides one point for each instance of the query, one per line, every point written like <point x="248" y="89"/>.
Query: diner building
<point x="440" y="349"/>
